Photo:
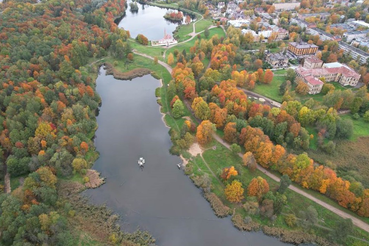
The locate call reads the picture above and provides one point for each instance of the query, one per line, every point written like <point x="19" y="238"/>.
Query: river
<point x="159" y="198"/>
<point x="148" y="21"/>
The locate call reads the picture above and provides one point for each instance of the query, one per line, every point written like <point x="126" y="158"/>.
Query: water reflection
<point x="160" y="199"/>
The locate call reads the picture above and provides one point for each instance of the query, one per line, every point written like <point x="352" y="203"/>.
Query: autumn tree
<point x="170" y="59"/>
<point x="228" y="172"/>
<point x="302" y="88"/>
<point x="234" y="191"/>
<point x="79" y="164"/>
<point x="205" y="132"/>
<point x="258" y="187"/>
<point x="249" y="161"/>
<point x="201" y="108"/>
<point x="230" y="132"/>
<point x="142" y="39"/>
<point x="268" y="76"/>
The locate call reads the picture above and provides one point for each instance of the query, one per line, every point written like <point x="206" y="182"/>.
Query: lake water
<point x="148" y="21"/>
<point x="159" y="198"/>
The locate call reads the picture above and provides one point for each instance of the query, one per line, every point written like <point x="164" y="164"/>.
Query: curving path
<point x="165" y="65"/>
<point x="357" y="222"/>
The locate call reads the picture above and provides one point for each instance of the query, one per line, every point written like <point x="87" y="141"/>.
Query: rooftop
<point x="313" y="59"/>
<point x="303" y="45"/>
<point x="333" y="68"/>
<point x="313" y="81"/>
<point x="359" y="51"/>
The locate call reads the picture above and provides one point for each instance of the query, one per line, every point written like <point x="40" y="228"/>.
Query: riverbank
<point x="196" y="168"/>
<point x="94" y="224"/>
<point x="137" y="72"/>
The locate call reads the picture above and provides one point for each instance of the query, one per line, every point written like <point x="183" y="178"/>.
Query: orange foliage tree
<point x="228" y="172"/>
<point x="205" y="132"/>
<point x="258" y="187"/>
<point x="230" y="132"/>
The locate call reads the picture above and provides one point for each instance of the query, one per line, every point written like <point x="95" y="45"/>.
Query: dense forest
<point x="48" y="108"/>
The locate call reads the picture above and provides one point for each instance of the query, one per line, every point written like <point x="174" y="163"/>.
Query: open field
<point x="349" y="156"/>
<point x="203" y="24"/>
<point x="361" y="128"/>
<point x="183" y="32"/>
<point x="149" y="50"/>
<point x="272" y="90"/>
<point x="221" y="157"/>
<point x="186" y="46"/>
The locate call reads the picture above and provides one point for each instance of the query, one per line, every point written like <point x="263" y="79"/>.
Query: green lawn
<point x="156" y="51"/>
<point x="361" y="128"/>
<point x="222" y="157"/>
<point x="140" y="62"/>
<point x="271" y="91"/>
<point x="186" y="46"/>
<point x="203" y="24"/>
<point x="183" y="32"/>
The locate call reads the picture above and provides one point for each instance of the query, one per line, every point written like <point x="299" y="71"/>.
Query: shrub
<point x="235" y="148"/>
<point x="356" y="116"/>
<point x="290" y="220"/>
<point x="217" y="205"/>
<point x="142" y="39"/>
<point x="366" y="116"/>
<point x="78" y="164"/>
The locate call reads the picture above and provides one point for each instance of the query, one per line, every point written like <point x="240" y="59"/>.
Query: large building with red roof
<point x="331" y="72"/>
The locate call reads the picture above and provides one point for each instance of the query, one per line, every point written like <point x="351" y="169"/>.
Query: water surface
<point x="148" y="21"/>
<point x="160" y="198"/>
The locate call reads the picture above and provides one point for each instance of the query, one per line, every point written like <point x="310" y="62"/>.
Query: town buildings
<point x="277" y="60"/>
<point x="286" y="6"/>
<point x="331" y="72"/>
<point x="312" y="62"/>
<point x="301" y="49"/>
<point x="355" y="53"/>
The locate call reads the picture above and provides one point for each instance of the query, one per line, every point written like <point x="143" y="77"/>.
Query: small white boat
<point x="179" y="165"/>
<point x="141" y="161"/>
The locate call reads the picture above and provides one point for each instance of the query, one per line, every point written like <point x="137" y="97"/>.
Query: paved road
<point x="359" y="223"/>
<point x="268" y="101"/>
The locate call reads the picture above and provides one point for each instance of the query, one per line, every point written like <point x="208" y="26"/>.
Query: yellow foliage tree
<point x="78" y="164"/>
<point x="43" y="129"/>
<point x="170" y="59"/>
<point x="234" y="192"/>
<point x="47" y="176"/>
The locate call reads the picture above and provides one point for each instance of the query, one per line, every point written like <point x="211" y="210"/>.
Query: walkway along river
<point x="160" y="198"/>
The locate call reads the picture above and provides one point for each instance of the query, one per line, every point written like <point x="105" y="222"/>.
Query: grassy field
<point x="149" y="50"/>
<point x="361" y="128"/>
<point x="186" y="46"/>
<point x="183" y="32"/>
<point x="221" y="157"/>
<point x="271" y="91"/>
<point x="203" y="24"/>
<point x="140" y="62"/>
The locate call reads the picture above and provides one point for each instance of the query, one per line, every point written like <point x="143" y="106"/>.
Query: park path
<point x="357" y="222"/>
<point x="271" y="102"/>
<point x="165" y="65"/>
